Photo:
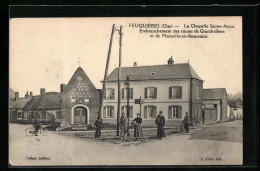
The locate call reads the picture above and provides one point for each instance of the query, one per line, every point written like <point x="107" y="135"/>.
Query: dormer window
<point x="130" y="74"/>
<point x="153" y="73"/>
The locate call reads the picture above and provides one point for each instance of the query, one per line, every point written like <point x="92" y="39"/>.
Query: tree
<point x="232" y="99"/>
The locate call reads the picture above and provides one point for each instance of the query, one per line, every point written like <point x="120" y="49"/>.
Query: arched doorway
<point x="80" y="115"/>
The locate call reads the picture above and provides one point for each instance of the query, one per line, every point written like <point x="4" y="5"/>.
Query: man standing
<point x="186" y="122"/>
<point x="123" y="126"/>
<point x="98" y="124"/>
<point x="160" y="122"/>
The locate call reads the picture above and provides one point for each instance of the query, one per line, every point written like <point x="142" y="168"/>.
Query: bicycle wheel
<point x="44" y="131"/>
<point x="29" y="131"/>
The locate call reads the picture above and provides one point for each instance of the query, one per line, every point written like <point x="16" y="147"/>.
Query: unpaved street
<point x="215" y="146"/>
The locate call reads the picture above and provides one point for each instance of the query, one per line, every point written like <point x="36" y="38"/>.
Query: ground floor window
<point x="174" y="112"/>
<point x="19" y="115"/>
<point x="58" y="114"/>
<point x="108" y="112"/>
<point x="124" y="109"/>
<point x="150" y="111"/>
<point x="43" y="114"/>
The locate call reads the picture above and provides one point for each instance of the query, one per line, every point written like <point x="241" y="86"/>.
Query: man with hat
<point x="160" y="122"/>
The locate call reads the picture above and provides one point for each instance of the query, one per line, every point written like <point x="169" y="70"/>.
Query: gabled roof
<point x="78" y="74"/>
<point x="46" y="101"/>
<point x="214" y="93"/>
<point x="20" y="103"/>
<point x="169" y="71"/>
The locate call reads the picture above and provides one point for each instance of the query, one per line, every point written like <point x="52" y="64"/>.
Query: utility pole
<point x="105" y="76"/>
<point x="119" y="84"/>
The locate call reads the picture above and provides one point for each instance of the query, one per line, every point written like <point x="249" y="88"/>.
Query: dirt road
<point x="176" y="149"/>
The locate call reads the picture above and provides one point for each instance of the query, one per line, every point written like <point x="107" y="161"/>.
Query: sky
<point x="44" y="51"/>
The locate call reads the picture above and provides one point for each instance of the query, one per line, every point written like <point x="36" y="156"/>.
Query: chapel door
<point x="80" y="115"/>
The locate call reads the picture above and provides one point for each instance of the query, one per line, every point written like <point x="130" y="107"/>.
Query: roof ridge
<point x="152" y="65"/>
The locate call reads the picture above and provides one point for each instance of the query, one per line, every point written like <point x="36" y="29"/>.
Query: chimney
<point x="62" y="87"/>
<point x="170" y="61"/>
<point x="31" y="94"/>
<point x="135" y="64"/>
<point x="16" y="95"/>
<point x="42" y="91"/>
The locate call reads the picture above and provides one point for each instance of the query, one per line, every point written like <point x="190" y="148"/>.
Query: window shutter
<point x="123" y="93"/>
<point x="122" y="109"/>
<point x="131" y="93"/>
<point x="170" y="92"/>
<point x="104" y="94"/>
<point x="170" y="112"/>
<point x="104" y="112"/>
<point x="113" y="93"/>
<point x="131" y="111"/>
<point x="155" y="92"/>
<point x="145" y="112"/>
<point x="112" y="111"/>
<point x="179" y="112"/>
<point x="180" y="93"/>
<point x="145" y="93"/>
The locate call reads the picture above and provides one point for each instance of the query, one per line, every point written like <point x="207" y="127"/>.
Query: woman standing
<point x="138" y="132"/>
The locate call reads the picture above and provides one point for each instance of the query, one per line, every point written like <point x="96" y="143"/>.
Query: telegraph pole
<point x="105" y="76"/>
<point x="119" y="84"/>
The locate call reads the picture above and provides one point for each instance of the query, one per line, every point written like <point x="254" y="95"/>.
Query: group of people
<point x="137" y="122"/>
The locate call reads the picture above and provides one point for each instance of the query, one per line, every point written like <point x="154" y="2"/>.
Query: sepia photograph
<point x="127" y="91"/>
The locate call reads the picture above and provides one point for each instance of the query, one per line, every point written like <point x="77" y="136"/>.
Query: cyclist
<point x="37" y="126"/>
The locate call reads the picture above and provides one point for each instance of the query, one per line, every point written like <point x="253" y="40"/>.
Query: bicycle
<point x="31" y="131"/>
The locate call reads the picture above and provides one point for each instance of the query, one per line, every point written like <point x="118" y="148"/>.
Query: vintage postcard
<point x="125" y="91"/>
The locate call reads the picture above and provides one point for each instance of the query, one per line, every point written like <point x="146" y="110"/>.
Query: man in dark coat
<point x="160" y="122"/>
<point x="98" y="124"/>
<point x="186" y="122"/>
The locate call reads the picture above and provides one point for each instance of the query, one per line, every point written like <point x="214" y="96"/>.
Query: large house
<point x="172" y="88"/>
<point x="215" y="103"/>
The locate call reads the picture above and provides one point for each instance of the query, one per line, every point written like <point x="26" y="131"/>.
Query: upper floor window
<point x="124" y="93"/>
<point x="150" y="111"/>
<point x="197" y="93"/>
<point x="109" y="93"/>
<point x="150" y="93"/>
<point x="108" y="112"/>
<point x="215" y="105"/>
<point x="124" y="109"/>
<point x="175" y="92"/>
<point x="175" y="112"/>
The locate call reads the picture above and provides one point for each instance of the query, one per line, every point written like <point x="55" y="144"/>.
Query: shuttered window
<point x="108" y="112"/>
<point x="175" y="112"/>
<point x="175" y="92"/>
<point x="109" y="93"/>
<point x="150" y="93"/>
<point x="124" y="93"/>
<point x="150" y="111"/>
<point x="124" y="109"/>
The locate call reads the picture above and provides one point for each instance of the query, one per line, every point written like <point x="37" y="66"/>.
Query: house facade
<point x="16" y="105"/>
<point x="79" y="101"/>
<point x="46" y="107"/>
<point x="172" y="88"/>
<point x="215" y="103"/>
